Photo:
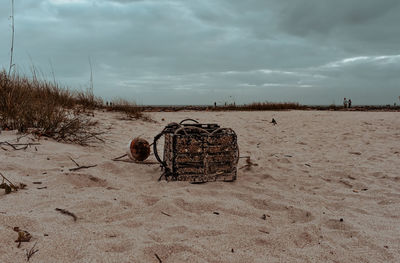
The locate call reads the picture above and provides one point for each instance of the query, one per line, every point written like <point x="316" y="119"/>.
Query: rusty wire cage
<point x="198" y="152"/>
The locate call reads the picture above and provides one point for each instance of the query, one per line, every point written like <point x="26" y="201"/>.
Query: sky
<point x="174" y="52"/>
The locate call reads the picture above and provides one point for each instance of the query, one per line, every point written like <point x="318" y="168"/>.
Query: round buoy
<point x="138" y="149"/>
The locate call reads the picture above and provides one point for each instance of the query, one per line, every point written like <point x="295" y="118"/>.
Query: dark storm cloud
<point x="174" y="52"/>
<point x="308" y="16"/>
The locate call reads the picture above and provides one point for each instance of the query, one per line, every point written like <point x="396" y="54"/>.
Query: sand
<point x="313" y="169"/>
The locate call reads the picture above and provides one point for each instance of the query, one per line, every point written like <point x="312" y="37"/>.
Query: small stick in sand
<point x="13" y="145"/>
<point x="159" y="259"/>
<point x="74" y="161"/>
<point x="117" y="158"/>
<point x="82" y="167"/>
<point x="66" y="212"/>
<point x="165" y="213"/>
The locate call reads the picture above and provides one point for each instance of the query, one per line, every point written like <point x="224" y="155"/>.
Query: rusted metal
<point x="198" y="152"/>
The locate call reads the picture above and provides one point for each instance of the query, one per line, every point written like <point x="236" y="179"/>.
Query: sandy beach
<point x="325" y="187"/>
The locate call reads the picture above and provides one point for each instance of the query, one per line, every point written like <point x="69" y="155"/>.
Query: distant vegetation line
<point x="51" y="110"/>
<point x="267" y="106"/>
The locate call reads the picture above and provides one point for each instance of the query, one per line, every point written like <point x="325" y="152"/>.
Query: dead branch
<point x="66" y="212"/>
<point x="82" y="167"/>
<point x="31" y="252"/>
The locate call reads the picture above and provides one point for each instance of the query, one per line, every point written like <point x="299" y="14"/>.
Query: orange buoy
<point x="138" y="149"/>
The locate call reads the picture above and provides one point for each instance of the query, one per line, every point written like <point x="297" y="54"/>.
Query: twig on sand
<point x="66" y="212"/>
<point x="1" y="212"/>
<point x="31" y="252"/>
<point x="24" y="144"/>
<point x="262" y="231"/>
<point x="117" y="158"/>
<point x="8" y="186"/>
<point x="159" y="259"/>
<point x="165" y="213"/>
<point x="5" y="178"/>
<point x="74" y="161"/>
<point x="82" y="167"/>
<point x="79" y="166"/>
<point x="14" y="145"/>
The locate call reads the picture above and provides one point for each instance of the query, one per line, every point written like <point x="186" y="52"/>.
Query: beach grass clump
<point x="131" y="109"/>
<point x="44" y="108"/>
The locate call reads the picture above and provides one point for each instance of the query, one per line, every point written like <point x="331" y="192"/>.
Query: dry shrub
<point x="261" y="106"/>
<point x="41" y="107"/>
<point x="129" y="108"/>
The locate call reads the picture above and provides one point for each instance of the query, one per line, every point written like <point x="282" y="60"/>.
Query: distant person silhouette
<point x="349" y="103"/>
<point x="345" y="103"/>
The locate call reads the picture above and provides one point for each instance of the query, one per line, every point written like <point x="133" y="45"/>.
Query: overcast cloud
<point x="201" y="51"/>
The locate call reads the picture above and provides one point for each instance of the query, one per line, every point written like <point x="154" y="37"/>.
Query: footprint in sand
<point x="149" y="200"/>
<point x="84" y="180"/>
<point x="303" y="239"/>
<point x="297" y="215"/>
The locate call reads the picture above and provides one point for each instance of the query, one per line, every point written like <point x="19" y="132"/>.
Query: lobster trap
<point x="198" y="152"/>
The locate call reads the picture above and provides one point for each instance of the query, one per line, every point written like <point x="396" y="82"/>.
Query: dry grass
<point x="261" y="106"/>
<point x="44" y="108"/>
<point x="129" y="108"/>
